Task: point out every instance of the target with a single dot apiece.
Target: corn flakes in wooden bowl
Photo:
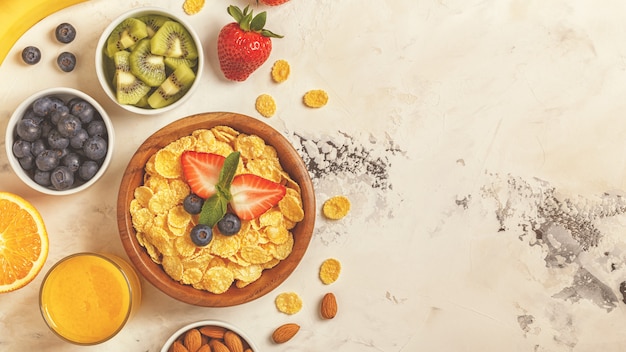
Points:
(216, 209)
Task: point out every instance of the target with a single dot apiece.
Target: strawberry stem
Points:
(247, 22)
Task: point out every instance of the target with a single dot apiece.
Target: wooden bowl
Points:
(154, 273)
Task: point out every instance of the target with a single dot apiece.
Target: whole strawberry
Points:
(272, 2)
(244, 45)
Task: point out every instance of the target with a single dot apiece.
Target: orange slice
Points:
(23, 242)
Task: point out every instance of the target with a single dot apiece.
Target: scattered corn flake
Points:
(336, 207)
(280, 71)
(288, 303)
(330, 270)
(315, 98)
(192, 7)
(265, 105)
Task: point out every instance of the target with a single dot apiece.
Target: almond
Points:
(285, 332)
(233, 341)
(192, 340)
(215, 332)
(328, 308)
(178, 347)
(217, 346)
(204, 348)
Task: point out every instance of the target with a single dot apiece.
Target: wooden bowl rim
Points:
(133, 177)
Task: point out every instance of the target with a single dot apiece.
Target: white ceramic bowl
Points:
(65, 94)
(180, 332)
(105, 80)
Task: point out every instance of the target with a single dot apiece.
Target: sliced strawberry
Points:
(201, 171)
(254, 195)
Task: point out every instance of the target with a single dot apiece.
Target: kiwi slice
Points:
(128, 88)
(146, 66)
(173, 40)
(153, 23)
(172, 62)
(125, 35)
(174, 87)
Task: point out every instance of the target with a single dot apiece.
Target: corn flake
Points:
(192, 7)
(167, 164)
(217, 279)
(288, 303)
(255, 254)
(315, 98)
(265, 105)
(291, 207)
(330, 270)
(280, 71)
(336, 207)
(173, 267)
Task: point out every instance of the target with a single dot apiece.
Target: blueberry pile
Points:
(60, 144)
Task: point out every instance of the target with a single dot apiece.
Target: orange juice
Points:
(87, 298)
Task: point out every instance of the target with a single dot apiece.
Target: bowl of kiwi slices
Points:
(149, 60)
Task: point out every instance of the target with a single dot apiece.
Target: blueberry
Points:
(88, 170)
(27, 162)
(72, 161)
(201, 235)
(42, 106)
(95, 148)
(37, 147)
(193, 204)
(47, 160)
(46, 127)
(58, 114)
(66, 61)
(97, 128)
(65, 33)
(31, 55)
(62, 178)
(57, 104)
(28, 129)
(57, 141)
(69, 125)
(229, 224)
(79, 139)
(22, 148)
(42, 177)
(81, 108)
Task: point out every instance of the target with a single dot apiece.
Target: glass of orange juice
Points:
(87, 298)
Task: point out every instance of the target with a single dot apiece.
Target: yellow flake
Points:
(315, 98)
(280, 71)
(265, 105)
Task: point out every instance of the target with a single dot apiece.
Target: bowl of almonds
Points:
(209, 335)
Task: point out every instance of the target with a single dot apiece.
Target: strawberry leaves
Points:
(247, 22)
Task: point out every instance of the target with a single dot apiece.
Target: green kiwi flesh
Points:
(174, 87)
(146, 66)
(173, 40)
(153, 23)
(125, 35)
(129, 89)
(172, 63)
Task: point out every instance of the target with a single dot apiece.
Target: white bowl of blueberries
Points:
(59, 141)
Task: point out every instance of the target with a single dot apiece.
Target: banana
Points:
(16, 17)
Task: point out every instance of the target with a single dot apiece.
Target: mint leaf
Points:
(213, 210)
(215, 207)
(228, 170)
